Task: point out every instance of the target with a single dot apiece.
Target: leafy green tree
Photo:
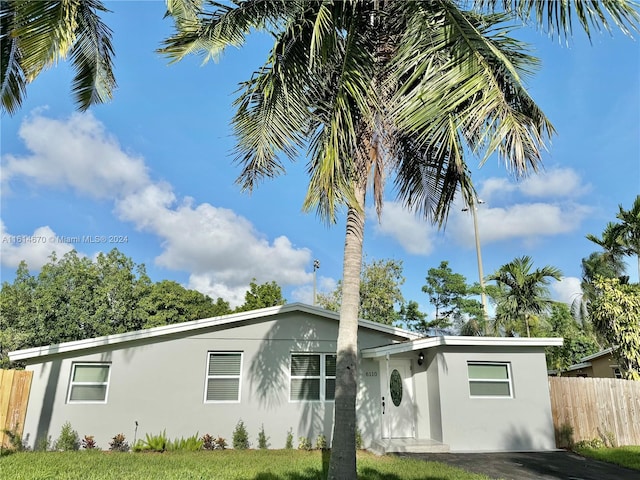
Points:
(522, 296)
(16, 313)
(374, 88)
(615, 313)
(37, 34)
(268, 294)
(380, 294)
(169, 302)
(578, 342)
(449, 294)
(412, 318)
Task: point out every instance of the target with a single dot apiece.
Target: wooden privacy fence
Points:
(14, 395)
(605, 408)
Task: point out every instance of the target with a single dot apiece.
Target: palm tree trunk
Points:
(342, 465)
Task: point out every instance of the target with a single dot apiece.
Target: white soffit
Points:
(460, 341)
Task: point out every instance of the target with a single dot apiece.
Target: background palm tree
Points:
(35, 35)
(629, 230)
(523, 294)
(374, 88)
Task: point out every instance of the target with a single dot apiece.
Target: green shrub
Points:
(359, 445)
(68, 440)
(15, 441)
(88, 443)
(189, 444)
(118, 444)
(304, 443)
(594, 443)
(289, 444)
(153, 443)
(240, 437)
(44, 443)
(564, 436)
(263, 440)
(321, 442)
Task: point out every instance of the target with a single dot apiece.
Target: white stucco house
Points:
(276, 367)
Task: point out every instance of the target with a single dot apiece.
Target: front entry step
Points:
(408, 445)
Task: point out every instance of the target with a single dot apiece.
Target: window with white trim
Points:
(489, 379)
(223, 377)
(89, 383)
(313, 377)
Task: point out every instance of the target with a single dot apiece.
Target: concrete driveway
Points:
(531, 465)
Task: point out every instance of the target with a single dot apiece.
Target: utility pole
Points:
(316, 266)
(483, 296)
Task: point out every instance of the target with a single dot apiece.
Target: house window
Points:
(223, 377)
(89, 383)
(489, 379)
(617, 373)
(313, 376)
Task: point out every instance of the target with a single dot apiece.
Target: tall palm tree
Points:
(597, 264)
(373, 88)
(629, 230)
(524, 294)
(35, 35)
(611, 242)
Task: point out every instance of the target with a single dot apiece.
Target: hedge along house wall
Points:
(14, 397)
(605, 408)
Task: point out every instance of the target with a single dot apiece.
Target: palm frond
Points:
(92, 56)
(13, 81)
(38, 34)
(467, 67)
(556, 17)
(272, 113)
(343, 113)
(210, 32)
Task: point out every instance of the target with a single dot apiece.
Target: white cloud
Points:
(566, 290)
(35, 249)
(552, 184)
(558, 182)
(76, 153)
(221, 250)
(412, 233)
(524, 221)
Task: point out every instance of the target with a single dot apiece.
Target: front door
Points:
(397, 399)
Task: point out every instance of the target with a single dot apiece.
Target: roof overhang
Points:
(195, 326)
(459, 341)
(579, 366)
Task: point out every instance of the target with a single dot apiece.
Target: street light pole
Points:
(316, 266)
(483, 296)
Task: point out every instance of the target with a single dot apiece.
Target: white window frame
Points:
(508, 380)
(75, 384)
(323, 377)
(208, 377)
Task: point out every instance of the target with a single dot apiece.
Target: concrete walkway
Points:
(559, 465)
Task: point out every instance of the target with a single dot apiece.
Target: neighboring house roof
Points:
(585, 362)
(196, 325)
(599, 354)
(425, 343)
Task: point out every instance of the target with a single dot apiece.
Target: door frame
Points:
(385, 405)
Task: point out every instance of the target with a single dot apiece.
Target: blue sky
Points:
(150, 173)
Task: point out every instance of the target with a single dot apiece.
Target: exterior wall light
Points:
(420, 358)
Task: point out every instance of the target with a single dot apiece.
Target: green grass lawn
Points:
(626, 456)
(218, 465)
